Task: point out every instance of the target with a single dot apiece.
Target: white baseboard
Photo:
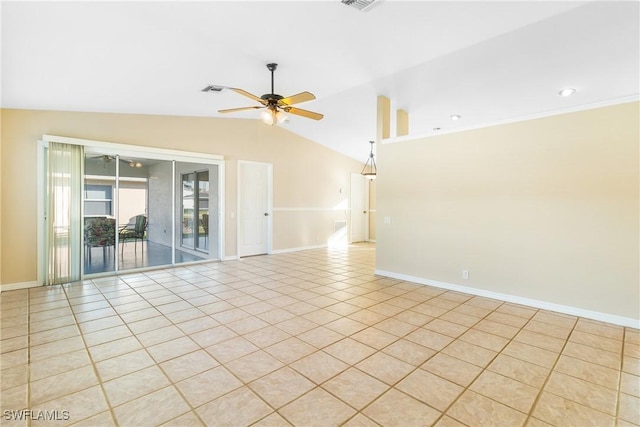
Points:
(298, 249)
(565, 309)
(15, 286)
(231, 258)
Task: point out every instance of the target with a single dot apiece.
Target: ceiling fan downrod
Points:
(272, 67)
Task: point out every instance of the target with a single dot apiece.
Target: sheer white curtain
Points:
(64, 212)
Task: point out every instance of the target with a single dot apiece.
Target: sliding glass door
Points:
(136, 207)
(195, 211)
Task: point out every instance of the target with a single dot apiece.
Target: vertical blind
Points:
(64, 212)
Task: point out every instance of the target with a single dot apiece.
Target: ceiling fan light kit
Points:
(272, 116)
(276, 105)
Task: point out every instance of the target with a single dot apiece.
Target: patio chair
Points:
(135, 231)
(99, 233)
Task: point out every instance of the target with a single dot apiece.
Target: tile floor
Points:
(131, 256)
(310, 338)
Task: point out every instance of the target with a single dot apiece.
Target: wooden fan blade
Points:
(297, 98)
(231, 110)
(304, 113)
(249, 95)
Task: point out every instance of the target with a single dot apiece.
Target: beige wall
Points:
(1, 192)
(293, 157)
(545, 209)
(1, 197)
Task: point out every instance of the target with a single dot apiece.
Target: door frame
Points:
(269, 235)
(365, 203)
(180, 201)
(112, 148)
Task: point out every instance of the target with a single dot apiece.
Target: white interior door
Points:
(254, 210)
(359, 208)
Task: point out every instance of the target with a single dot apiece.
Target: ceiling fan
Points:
(276, 105)
(105, 158)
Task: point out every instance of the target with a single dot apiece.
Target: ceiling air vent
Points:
(362, 5)
(213, 88)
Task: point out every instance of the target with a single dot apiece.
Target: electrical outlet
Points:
(387, 220)
(465, 274)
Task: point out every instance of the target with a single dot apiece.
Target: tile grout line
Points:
(158, 364)
(621, 371)
(93, 365)
(467, 387)
(322, 290)
(381, 350)
(393, 386)
(553, 369)
(119, 315)
(485, 369)
(288, 365)
(244, 384)
(319, 386)
(29, 354)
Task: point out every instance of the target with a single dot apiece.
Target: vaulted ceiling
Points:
(489, 62)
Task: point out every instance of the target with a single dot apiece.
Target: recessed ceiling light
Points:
(567, 92)
(455, 117)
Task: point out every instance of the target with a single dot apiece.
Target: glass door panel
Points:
(197, 216)
(202, 206)
(134, 247)
(99, 221)
(188, 208)
(145, 201)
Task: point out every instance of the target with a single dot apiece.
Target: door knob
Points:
(266, 214)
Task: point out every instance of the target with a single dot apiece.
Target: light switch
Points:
(387, 220)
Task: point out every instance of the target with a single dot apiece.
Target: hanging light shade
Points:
(273, 116)
(370, 169)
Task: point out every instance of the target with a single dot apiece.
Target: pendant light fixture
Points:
(272, 116)
(370, 169)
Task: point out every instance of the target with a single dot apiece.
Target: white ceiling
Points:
(489, 62)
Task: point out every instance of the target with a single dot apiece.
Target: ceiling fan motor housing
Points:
(271, 97)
